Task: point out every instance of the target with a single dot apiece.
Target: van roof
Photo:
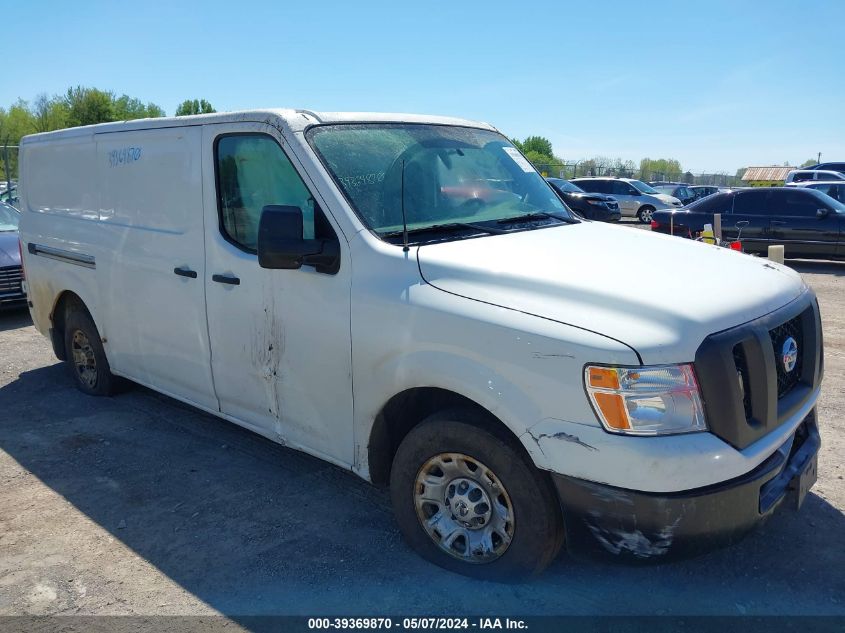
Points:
(290, 120)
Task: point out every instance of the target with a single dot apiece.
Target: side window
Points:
(754, 203)
(619, 188)
(800, 205)
(802, 176)
(253, 172)
(594, 186)
(717, 203)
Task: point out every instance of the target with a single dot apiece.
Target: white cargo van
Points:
(405, 296)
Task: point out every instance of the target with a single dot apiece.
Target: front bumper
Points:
(643, 525)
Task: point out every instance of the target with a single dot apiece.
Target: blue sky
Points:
(717, 85)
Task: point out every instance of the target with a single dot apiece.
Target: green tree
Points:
(538, 144)
(87, 106)
(809, 162)
(660, 169)
(194, 106)
(127, 108)
(49, 113)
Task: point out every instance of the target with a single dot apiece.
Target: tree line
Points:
(78, 106)
(82, 106)
(539, 151)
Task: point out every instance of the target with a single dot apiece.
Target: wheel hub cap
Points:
(468, 502)
(84, 360)
(464, 508)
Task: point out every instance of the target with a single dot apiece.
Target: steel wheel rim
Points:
(464, 508)
(84, 360)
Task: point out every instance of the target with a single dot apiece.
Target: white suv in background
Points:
(636, 199)
(804, 175)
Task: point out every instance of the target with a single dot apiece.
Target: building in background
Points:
(766, 176)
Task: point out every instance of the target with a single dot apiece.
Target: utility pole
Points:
(820, 159)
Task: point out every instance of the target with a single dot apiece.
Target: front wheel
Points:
(645, 214)
(468, 500)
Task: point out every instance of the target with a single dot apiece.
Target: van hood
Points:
(658, 294)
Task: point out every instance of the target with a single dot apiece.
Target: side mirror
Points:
(822, 213)
(281, 245)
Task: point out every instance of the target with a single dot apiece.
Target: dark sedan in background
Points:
(11, 274)
(808, 223)
(593, 206)
(681, 192)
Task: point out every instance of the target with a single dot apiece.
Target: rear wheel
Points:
(645, 214)
(468, 500)
(86, 358)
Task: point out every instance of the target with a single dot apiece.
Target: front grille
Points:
(10, 280)
(746, 389)
(779, 335)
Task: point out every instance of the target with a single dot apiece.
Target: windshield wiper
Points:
(448, 227)
(539, 215)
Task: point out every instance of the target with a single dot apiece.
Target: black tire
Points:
(537, 528)
(644, 214)
(81, 335)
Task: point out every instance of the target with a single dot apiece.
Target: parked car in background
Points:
(10, 196)
(11, 274)
(635, 198)
(702, 191)
(593, 206)
(834, 188)
(807, 222)
(803, 175)
(681, 192)
(840, 167)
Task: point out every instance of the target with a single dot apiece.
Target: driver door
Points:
(280, 339)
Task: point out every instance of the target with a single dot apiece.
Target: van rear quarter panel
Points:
(133, 200)
(58, 204)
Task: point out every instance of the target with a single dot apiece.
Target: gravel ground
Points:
(138, 504)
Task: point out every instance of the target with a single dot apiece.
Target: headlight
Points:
(646, 400)
(598, 203)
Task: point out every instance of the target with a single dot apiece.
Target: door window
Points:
(619, 188)
(594, 186)
(253, 172)
(801, 204)
(755, 203)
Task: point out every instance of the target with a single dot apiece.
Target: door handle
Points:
(185, 272)
(226, 279)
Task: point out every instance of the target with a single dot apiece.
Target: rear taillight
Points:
(20, 252)
(655, 224)
(736, 246)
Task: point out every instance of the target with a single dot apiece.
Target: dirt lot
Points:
(140, 505)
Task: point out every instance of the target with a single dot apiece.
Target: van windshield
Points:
(449, 175)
